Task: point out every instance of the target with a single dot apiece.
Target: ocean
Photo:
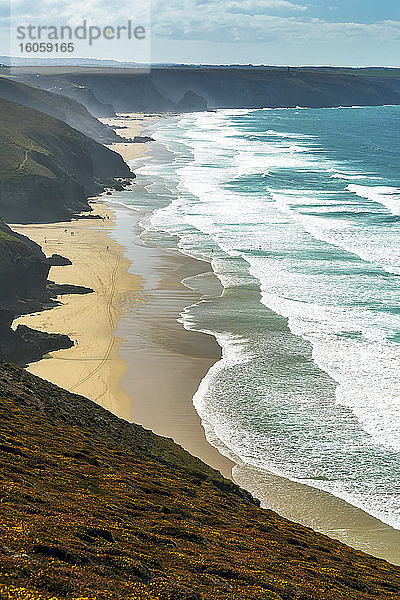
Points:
(298, 211)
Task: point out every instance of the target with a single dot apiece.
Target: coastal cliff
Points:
(94, 507)
(195, 88)
(60, 107)
(23, 288)
(48, 169)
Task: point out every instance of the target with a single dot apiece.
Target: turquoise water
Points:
(299, 212)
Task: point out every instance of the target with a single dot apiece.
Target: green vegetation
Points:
(21, 152)
(16, 153)
(47, 168)
(55, 105)
(11, 245)
(5, 236)
(93, 508)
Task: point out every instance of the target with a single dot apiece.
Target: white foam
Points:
(349, 361)
(354, 177)
(385, 195)
(374, 245)
(350, 342)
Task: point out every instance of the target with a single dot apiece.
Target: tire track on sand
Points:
(111, 321)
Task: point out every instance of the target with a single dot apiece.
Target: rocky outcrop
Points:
(55, 260)
(191, 102)
(142, 139)
(24, 288)
(23, 272)
(32, 198)
(26, 345)
(61, 289)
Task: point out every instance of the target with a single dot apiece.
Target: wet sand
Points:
(165, 366)
(322, 512)
(134, 358)
(166, 362)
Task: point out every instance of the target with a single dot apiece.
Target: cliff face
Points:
(23, 278)
(48, 169)
(191, 89)
(191, 102)
(23, 271)
(60, 107)
(94, 507)
(87, 98)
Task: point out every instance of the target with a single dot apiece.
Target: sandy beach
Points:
(165, 366)
(92, 367)
(129, 126)
(135, 359)
(166, 362)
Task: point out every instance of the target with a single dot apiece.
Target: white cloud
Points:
(258, 7)
(218, 22)
(246, 21)
(72, 12)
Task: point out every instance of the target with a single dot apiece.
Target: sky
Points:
(273, 32)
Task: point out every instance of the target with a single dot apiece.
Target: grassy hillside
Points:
(65, 109)
(47, 168)
(94, 508)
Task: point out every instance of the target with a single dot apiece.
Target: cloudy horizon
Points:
(273, 32)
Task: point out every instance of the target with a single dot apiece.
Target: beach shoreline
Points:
(92, 367)
(124, 362)
(156, 365)
(166, 364)
(129, 126)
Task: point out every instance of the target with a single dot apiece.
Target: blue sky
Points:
(362, 11)
(296, 32)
